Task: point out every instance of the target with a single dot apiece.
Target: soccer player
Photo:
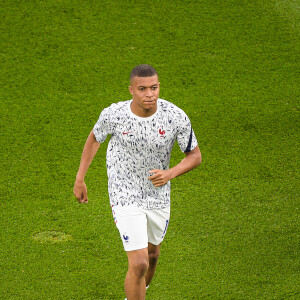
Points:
(143, 132)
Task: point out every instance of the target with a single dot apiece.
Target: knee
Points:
(139, 267)
(153, 257)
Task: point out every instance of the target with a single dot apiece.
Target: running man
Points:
(143, 132)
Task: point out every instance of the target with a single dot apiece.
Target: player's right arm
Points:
(89, 151)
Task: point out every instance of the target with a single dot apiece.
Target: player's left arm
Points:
(192, 160)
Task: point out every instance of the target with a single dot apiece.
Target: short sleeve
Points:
(103, 126)
(186, 137)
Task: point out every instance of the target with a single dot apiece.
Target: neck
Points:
(142, 112)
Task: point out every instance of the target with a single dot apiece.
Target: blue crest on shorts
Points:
(125, 237)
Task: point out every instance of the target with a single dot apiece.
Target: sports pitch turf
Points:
(233, 66)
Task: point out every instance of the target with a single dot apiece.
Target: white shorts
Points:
(138, 226)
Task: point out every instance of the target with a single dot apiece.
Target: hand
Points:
(80, 191)
(160, 177)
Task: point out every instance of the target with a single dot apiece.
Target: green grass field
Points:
(233, 66)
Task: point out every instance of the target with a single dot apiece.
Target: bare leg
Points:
(153, 254)
(135, 283)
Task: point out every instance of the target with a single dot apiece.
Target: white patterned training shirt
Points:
(138, 145)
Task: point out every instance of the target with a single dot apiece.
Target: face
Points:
(145, 92)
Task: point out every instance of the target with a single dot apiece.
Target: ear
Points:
(130, 90)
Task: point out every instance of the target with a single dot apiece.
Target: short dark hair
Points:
(142, 71)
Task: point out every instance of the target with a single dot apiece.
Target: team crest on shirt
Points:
(162, 133)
